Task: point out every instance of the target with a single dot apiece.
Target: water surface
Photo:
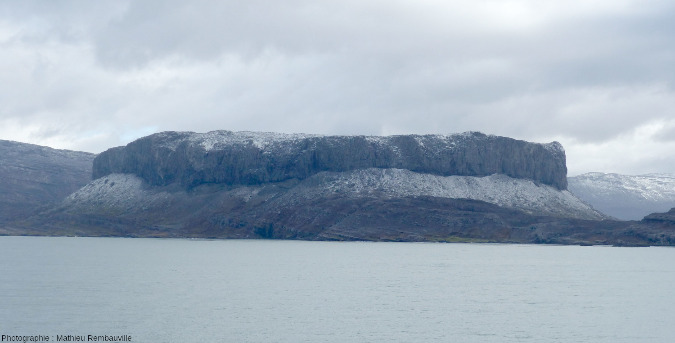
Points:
(171, 290)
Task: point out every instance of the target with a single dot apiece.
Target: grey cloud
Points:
(207, 29)
(666, 134)
(334, 67)
(67, 21)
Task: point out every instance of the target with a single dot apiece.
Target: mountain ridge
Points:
(161, 187)
(228, 157)
(34, 176)
(626, 197)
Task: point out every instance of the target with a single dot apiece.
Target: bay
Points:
(173, 290)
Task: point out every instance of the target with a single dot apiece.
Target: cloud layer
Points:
(595, 75)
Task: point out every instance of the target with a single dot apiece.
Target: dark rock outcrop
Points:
(245, 158)
(664, 219)
(33, 176)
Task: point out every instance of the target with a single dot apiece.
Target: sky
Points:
(596, 76)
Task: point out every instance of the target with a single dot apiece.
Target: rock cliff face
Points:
(33, 176)
(247, 158)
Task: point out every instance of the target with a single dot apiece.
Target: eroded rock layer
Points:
(248, 158)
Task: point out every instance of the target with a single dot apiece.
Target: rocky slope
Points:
(626, 197)
(33, 177)
(125, 205)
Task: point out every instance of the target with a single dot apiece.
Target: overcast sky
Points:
(597, 76)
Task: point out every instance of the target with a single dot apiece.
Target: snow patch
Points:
(627, 197)
(115, 191)
(129, 192)
(221, 139)
(654, 187)
(261, 140)
(497, 189)
(554, 147)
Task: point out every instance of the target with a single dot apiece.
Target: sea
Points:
(181, 290)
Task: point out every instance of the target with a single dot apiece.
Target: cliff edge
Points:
(249, 158)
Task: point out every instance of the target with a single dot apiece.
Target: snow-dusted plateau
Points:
(222, 184)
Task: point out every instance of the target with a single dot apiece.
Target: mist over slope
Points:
(626, 197)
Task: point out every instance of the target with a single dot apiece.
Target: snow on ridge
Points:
(623, 176)
(554, 147)
(220, 139)
(497, 189)
(264, 140)
(655, 187)
(261, 140)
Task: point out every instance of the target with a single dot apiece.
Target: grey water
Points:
(171, 290)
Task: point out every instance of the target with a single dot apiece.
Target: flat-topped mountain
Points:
(499, 170)
(221, 184)
(33, 176)
(248, 158)
(465, 187)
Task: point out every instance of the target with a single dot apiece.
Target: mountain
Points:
(222, 184)
(34, 177)
(248, 158)
(626, 197)
(499, 170)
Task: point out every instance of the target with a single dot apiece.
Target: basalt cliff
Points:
(467, 187)
(250, 158)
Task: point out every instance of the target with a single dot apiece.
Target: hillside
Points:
(626, 197)
(33, 177)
